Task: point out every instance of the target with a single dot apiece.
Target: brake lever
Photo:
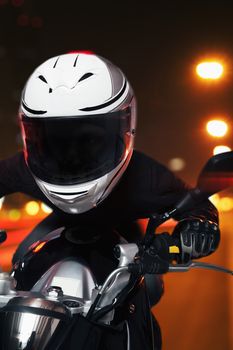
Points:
(197, 264)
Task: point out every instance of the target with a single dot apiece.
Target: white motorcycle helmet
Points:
(78, 116)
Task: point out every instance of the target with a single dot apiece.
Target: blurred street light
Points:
(225, 204)
(45, 208)
(217, 128)
(209, 70)
(32, 208)
(14, 214)
(176, 164)
(221, 149)
(1, 202)
(215, 199)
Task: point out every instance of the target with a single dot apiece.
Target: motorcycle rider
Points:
(78, 121)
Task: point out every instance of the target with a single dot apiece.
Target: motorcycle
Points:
(56, 297)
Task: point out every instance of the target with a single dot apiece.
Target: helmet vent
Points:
(75, 61)
(70, 193)
(85, 76)
(54, 66)
(41, 77)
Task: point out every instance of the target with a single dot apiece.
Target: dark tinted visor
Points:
(72, 150)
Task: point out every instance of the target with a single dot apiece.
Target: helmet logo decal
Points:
(94, 108)
(32, 110)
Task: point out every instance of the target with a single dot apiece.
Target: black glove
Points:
(156, 258)
(197, 238)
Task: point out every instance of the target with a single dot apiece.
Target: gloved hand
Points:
(197, 238)
(156, 258)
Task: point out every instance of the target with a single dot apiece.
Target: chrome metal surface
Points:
(23, 329)
(41, 303)
(71, 275)
(28, 331)
(54, 292)
(115, 282)
(128, 335)
(75, 306)
(111, 277)
(7, 283)
(127, 253)
(4, 299)
(119, 278)
(200, 265)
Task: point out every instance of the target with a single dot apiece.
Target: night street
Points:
(109, 113)
(205, 297)
(200, 300)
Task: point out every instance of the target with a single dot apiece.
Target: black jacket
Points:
(146, 187)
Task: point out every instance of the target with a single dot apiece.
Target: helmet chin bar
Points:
(77, 199)
(74, 203)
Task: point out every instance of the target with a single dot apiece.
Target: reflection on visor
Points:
(71, 150)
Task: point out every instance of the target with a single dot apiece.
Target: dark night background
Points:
(156, 44)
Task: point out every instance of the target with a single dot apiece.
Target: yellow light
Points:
(209, 70)
(225, 204)
(221, 149)
(215, 199)
(32, 208)
(45, 208)
(176, 164)
(39, 247)
(1, 202)
(217, 128)
(14, 214)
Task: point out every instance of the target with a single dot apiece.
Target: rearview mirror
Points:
(217, 174)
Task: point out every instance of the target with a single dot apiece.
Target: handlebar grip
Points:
(151, 265)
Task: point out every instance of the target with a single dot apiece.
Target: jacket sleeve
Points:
(15, 177)
(173, 189)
